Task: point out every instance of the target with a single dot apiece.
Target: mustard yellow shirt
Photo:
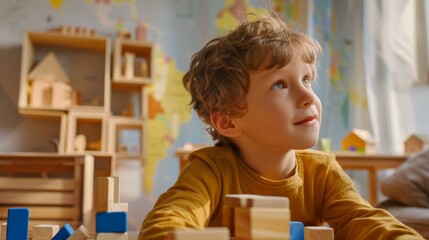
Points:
(319, 192)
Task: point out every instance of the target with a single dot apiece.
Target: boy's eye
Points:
(307, 81)
(279, 85)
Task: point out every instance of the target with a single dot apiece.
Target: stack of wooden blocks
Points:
(256, 217)
(253, 217)
(111, 215)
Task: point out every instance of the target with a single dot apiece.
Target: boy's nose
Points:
(306, 99)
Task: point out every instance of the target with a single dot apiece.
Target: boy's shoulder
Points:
(213, 152)
(315, 155)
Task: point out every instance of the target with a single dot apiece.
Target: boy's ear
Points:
(224, 124)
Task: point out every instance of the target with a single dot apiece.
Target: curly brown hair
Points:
(219, 74)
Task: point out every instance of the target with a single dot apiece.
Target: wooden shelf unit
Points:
(96, 75)
(36, 42)
(135, 84)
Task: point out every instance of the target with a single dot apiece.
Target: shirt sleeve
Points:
(352, 217)
(189, 203)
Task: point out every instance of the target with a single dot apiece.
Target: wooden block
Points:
(261, 223)
(129, 65)
(251, 200)
(3, 231)
(65, 232)
(232, 201)
(211, 233)
(105, 195)
(49, 68)
(228, 218)
(113, 222)
(61, 95)
(17, 223)
(112, 236)
(45, 231)
(318, 233)
(81, 233)
(79, 143)
(296, 230)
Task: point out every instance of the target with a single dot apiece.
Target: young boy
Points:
(253, 88)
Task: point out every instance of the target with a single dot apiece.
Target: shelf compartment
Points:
(73, 53)
(134, 147)
(129, 58)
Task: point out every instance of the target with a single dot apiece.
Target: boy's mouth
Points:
(307, 121)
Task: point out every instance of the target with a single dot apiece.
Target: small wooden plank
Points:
(48, 212)
(211, 233)
(47, 184)
(88, 218)
(35, 168)
(3, 231)
(112, 236)
(36, 198)
(251, 200)
(318, 233)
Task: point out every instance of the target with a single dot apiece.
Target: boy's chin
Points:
(308, 143)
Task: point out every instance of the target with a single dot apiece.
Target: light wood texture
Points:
(232, 201)
(99, 122)
(138, 81)
(318, 233)
(59, 101)
(3, 231)
(56, 188)
(33, 40)
(45, 231)
(211, 233)
(116, 125)
(106, 195)
(81, 233)
(112, 236)
(50, 69)
(129, 65)
(140, 49)
(261, 223)
(252, 200)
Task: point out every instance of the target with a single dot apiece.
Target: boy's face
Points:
(283, 111)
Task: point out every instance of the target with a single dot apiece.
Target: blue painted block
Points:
(17, 223)
(111, 222)
(65, 232)
(296, 230)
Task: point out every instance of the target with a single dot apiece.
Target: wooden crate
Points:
(57, 189)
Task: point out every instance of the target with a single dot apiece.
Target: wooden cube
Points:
(45, 231)
(318, 233)
(261, 223)
(211, 233)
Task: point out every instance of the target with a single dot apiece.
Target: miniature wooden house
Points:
(359, 140)
(50, 86)
(416, 143)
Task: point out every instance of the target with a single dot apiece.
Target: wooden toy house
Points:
(359, 140)
(416, 143)
(50, 86)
